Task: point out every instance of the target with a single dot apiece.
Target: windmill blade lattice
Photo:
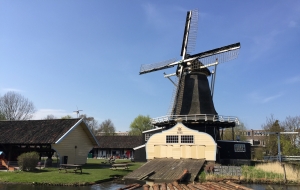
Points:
(223, 54)
(190, 32)
(147, 68)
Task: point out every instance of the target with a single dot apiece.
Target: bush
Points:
(28, 161)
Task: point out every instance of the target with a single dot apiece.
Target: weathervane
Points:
(77, 111)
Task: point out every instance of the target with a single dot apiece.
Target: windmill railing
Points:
(195, 117)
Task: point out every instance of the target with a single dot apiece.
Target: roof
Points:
(155, 129)
(119, 141)
(39, 131)
(166, 169)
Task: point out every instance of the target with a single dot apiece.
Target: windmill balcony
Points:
(195, 117)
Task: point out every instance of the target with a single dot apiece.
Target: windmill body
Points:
(193, 98)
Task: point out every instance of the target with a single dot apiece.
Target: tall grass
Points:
(292, 172)
(263, 173)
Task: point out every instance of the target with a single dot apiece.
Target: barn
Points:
(71, 139)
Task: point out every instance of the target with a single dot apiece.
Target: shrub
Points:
(28, 161)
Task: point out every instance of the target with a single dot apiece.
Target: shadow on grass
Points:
(98, 166)
(35, 171)
(75, 173)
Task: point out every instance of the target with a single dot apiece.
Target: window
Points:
(256, 142)
(239, 148)
(147, 136)
(187, 139)
(172, 139)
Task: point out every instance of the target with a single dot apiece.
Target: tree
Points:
(237, 131)
(91, 122)
(107, 127)
(66, 117)
(14, 106)
(291, 143)
(49, 117)
(140, 123)
(272, 125)
(2, 117)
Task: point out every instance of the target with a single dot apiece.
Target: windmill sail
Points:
(190, 33)
(223, 54)
(147, 68)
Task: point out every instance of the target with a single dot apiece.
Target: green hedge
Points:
(28, 161)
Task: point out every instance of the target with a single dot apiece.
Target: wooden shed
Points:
(71, 139)
(181, 142)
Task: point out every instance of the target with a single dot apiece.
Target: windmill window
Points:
(172, 139)
(239, 148)
(187, 139)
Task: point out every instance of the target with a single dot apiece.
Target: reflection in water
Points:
(102, 186)
(114, 186)
(275, 187)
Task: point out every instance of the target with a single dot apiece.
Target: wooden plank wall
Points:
(203, 146)
(79, 138)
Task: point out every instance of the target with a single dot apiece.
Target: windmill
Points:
(77, 112)
(193, 96)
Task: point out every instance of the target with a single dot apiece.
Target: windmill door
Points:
(193, 151)
(160, 151)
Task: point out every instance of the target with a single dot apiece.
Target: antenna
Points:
(77, 111)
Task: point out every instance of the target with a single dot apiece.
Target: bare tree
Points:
(14, 106)
(107, 128)
(91, 122)
(49, 117)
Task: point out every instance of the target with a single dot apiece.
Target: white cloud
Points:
(42, 113)
(271, 98)
(293, 24)
(292, 80)
(256, 97)
(152, 14)
(11, 89)
(266, 41)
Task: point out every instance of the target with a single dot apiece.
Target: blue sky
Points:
(64, 54)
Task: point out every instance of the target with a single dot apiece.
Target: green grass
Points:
(93, 172)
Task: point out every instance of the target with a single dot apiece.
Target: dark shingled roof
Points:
(34, 131)
(119, 141)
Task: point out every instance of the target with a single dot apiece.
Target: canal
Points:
(114, 186)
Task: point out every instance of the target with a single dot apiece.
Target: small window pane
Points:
(187, 139)
(172, 139)
(239, 148)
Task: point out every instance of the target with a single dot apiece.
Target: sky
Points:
(76, 54)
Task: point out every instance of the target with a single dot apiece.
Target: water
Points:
(275, 187)
(102, 186)
(114, 186)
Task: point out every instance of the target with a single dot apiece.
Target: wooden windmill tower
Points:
(193, 95)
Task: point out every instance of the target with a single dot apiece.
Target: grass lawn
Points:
(93, 172)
